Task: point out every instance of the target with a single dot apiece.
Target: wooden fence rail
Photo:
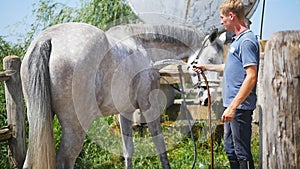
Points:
(14, 133)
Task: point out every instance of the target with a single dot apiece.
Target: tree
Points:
(100, 13)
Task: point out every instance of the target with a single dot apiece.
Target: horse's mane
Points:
(158, 32)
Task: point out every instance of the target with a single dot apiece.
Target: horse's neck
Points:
(158, 42)
(148, 51)
(164, 54)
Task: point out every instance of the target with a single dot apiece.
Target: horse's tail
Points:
(36, 87)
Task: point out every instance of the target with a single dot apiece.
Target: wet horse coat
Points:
(77, 72)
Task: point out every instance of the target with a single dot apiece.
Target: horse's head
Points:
(211, 52)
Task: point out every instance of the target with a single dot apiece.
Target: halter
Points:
(213, 35)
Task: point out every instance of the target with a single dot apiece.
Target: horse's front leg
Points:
(127, 140)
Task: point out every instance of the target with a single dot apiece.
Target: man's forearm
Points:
(213, 67)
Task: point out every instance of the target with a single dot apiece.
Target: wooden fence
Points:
(14, 133)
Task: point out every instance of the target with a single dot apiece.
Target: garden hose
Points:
(162, 63)
(188, 116)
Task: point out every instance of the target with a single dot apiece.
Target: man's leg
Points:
(241, 134)
(229, 146)
(246, 164)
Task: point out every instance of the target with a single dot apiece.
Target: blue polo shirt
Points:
(243, 52)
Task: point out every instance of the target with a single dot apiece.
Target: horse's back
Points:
(70, 40)
(76, 52)
(72, 45)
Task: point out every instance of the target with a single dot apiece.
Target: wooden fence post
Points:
(15, 112)
(281, 110)
(257, 114)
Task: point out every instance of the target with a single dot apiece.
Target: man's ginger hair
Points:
(234, 6)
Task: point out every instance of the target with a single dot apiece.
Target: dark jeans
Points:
(237, 136)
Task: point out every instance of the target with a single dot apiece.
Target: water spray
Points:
(162, 63)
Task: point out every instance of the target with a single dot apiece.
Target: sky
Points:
(279, 15)
(16, 16)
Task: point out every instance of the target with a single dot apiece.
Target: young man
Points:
(239, 85)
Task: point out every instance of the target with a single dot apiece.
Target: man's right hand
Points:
(199, 68)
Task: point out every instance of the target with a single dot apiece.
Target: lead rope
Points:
(213, 33)
(188, 116)
(209, 122)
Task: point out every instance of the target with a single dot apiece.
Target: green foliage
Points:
(7, 49)
(100, 13)
(105, 14)
(4, 163)
(255, 148)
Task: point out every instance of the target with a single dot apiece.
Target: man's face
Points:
(226, 20)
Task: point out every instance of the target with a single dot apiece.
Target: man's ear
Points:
(231, 15)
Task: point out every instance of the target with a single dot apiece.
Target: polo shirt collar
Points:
(236, 37)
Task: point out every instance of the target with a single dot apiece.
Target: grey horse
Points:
(78, 72)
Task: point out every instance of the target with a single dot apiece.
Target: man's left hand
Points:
(228, 115)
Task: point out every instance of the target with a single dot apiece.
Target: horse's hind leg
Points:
(151, 106)
(158, 139)
(127, 140)
(72, 140)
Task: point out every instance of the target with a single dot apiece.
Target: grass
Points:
(103, 148)
(107, 152)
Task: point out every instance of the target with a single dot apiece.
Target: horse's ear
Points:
(213, 35)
